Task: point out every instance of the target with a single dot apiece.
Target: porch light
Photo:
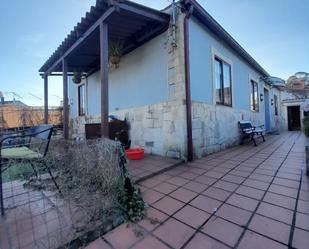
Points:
(261, 97)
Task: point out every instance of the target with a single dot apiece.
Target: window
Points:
(276, 104)
(254, 99)
(81, 100)
(223, 82)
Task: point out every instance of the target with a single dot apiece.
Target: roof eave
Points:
(204, 17)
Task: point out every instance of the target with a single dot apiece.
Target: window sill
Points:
(220, 104)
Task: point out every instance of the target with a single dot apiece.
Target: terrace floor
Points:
(40, 219)
(245, 197)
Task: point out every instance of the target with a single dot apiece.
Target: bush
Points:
(306, 126)
(94, 181)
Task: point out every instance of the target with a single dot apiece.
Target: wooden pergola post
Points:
(104, 78)
(65, 99)
(46, 99)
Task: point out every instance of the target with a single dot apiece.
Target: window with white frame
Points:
(254, 96)
(223, 82)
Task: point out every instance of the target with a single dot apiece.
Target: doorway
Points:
(294, 118)
(267, 112)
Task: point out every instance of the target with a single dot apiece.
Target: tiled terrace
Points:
(150, 165)
(245, 197)
(40, 219)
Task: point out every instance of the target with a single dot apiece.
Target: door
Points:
(267, 112)
(294, 118)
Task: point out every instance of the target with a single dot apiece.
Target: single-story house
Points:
(183, 83)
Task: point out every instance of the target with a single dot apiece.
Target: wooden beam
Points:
(104, 78)
(106, 14)
(46, 99)
(65, 99)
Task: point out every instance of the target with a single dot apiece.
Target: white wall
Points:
(140, 79)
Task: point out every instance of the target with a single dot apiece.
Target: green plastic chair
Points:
(28, 146)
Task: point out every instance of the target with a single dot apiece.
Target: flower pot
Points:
(77, 78)
(115, 60)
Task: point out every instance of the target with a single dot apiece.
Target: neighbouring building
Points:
(295, 101)
(183, 83)
(14, 114)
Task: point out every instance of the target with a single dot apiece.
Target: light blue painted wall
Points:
(202, 42)
(140, 79)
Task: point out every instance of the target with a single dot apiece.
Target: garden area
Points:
(88, 193)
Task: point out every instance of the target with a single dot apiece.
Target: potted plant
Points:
(115, 52)
(77, 77)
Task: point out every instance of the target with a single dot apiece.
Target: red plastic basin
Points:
(135, 154)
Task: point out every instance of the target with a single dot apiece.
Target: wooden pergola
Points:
(85, 49)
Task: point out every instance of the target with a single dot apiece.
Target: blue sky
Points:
(274, 32)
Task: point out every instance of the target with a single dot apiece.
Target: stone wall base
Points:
(215, 127)
(160, 129)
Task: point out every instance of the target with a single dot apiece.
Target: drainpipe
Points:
(187, 83)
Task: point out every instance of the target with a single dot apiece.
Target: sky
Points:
(274, 32)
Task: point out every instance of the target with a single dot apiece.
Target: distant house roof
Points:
(13, 103)
(204, 17)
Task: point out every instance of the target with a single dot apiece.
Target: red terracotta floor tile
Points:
(250, 192)
(291, 192)
(178, 181)
(303, 206)
(302, 221)
(304, 195)
(233, 179)
(192, 216)
(256, 184)
(152, 219)
(234, 214)
(174, 233)
(187, 175)
(98, 244)
(165, 188)
(286, 183)
(280, 200)
(150, 242)
(243, 202)
(255, 241)
(122, 237)
(261, 177)
(300, 239)
(205, 180)
(150, 183)
(183, 195)
(195, 186)
(222, 230)
(273, 229)
(214, 174)
(228, 186)
(275, 212)
(205, 203)
(201, 241)
(168, 205)
(216, 193)
(151, 196)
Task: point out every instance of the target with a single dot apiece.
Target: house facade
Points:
(182, 92)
